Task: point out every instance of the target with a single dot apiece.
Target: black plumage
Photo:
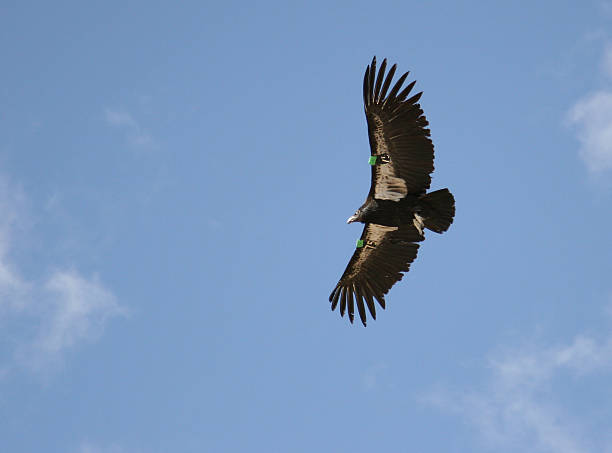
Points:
(398, 207)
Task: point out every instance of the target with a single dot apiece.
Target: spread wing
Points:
(383, 254)
(398, 134)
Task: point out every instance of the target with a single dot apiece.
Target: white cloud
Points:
(54, 314)
(526, 404)
(134, 133)
(76, 310)
(592, 117)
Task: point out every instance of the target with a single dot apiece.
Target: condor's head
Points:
(361, 214)
(355, 217)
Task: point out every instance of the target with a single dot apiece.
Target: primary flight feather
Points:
(398, 207)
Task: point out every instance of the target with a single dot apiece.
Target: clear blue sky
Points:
(174, 183)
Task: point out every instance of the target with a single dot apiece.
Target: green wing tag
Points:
(372, 160)
(359, 243)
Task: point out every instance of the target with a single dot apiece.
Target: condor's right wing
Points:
(402, 154)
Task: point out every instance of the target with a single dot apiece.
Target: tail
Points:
(438, 210)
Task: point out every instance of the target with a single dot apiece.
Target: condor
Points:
(398, 207)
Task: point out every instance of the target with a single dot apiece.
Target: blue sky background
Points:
(174, 184)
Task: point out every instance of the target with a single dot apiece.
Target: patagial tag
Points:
(359, 243)
(372, 160)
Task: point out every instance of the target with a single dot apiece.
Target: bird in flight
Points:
(398, 208)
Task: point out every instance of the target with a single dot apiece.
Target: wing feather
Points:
(378, 293)
(388, 80)
(367, 291)
(379, 79)
(406, 91)
(361, 309)
(397, 86)
(371, 78)
(351, 305)
(374, 268)
(334, 297)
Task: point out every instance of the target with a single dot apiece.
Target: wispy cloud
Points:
(592, 118)
(53, 314)
(135, 134)
(75, 310)
(12, 286)
(525, 403)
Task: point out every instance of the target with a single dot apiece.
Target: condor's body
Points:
(391, 213)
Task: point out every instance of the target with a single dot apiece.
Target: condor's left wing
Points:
(383, 254)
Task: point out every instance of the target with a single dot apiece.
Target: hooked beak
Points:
(351, 219)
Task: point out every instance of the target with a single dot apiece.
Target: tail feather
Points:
(438, 210)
